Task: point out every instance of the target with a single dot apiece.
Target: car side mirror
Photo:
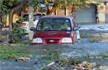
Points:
(32, 29)
(75, 28)
(78, 25)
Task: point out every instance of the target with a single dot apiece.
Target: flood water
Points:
(77, 51)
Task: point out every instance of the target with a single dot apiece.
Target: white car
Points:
(78, 35)
(36, 17)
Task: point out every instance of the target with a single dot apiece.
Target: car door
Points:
(78, 33)
(75, 32)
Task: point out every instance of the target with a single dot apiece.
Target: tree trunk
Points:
(74, 11)
(0, 35)
(0, 29)
(37, 9)
(12, 12)
(49, 12)
(10, 19)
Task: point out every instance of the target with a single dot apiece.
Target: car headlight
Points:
(66, 40)
(37, 40)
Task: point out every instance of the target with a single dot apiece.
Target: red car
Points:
(55, 30)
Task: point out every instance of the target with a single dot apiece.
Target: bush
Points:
(18, 32)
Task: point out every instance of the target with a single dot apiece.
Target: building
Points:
(88, 15)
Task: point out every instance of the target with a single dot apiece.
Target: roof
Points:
(57, 16)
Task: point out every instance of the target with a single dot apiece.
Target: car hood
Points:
(53, 34)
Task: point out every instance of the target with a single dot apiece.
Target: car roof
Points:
(57, 16)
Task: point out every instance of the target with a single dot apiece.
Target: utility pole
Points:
(31, 33)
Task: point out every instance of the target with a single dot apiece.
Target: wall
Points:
(101, 11)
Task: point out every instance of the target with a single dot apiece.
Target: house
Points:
(88, 15)
(15, 15)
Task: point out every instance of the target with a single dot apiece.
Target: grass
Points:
(20, 44)
(96, 67)
(105, 55)
(91, 41)
(8, 53)
(52, 56)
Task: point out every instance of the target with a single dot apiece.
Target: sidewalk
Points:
(101, 23)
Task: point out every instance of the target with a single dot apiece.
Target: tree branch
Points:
(53, 9)
(12, 11)
(47, 6)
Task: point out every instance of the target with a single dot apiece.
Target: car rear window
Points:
(54, 25)
(26, 18)
(35, 17)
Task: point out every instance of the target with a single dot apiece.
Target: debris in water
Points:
(22, 59)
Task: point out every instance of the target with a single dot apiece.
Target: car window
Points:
(26, 18)
(54, 25)
(35, 17)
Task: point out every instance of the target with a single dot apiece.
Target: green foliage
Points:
(91, 41)
(86, 34)
(20, 19)
(63, 3)
(8, 54)
(3, 8)
(21, 44)
(105, 55)
(56, 55)
(62, 60)
(53, 56)
(88, 57)
(6, 5)
(18, 31)
(78, 62)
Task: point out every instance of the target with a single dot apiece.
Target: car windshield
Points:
(54, 25)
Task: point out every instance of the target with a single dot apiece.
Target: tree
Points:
(5, 7)
(3, 10)
(60, 4)
(12, 11)
(10, 6)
